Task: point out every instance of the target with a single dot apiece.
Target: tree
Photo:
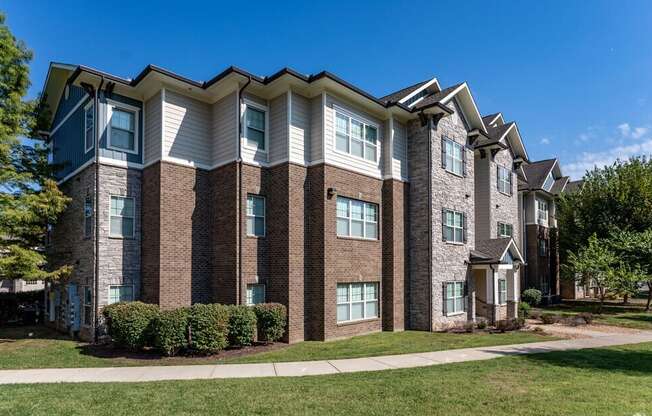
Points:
(29, 196)
(635, 249)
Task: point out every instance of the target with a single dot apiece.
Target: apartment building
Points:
(358, 213)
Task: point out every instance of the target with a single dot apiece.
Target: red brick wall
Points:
(395, 196)
(151, 226)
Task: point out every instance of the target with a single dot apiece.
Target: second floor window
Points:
(505, 230)
(453, 226)
(89, 123)
(356, 137)
(255, 128)
(88, 216)
(122, 130)
(452, 157)
(504, 180)
(255, 216)
(122, 217)
(542, 212)
(357, 219)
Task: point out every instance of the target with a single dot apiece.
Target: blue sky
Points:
(576, 76)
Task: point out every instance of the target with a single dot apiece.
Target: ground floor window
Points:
(255, 294)
(453, 298)
(543, 247)
(356, 301)
(123, 293)
(88, 309)
(502, 291)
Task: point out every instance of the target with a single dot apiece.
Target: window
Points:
(542, 212)
(454, 298)
(355, 137)
(543, 247)
(504, 180)
(255, 216)
(122, 129)
(88, 309)
(88, 216)
(504, 230)
(32, 282)
(122, 217)
(416, 97)
(357, 219)
(547, 185)
(502, 291)
(255, 128)
(356, 301)
(121, 294)
(454, 226)
(255, 294)
(453, 157)
(89, 131)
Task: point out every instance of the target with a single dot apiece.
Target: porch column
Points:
(512, 293)
(492, 294)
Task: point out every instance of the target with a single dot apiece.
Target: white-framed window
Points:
(357, 219)
(452, 156)
(121, 293)
(32, 282)
(255, 215)
(89, 126)
(255, 126)
(122, 217)
(255, 294)
(357, 301)
(87, 312)
(453, 226)
(88, 216)
(505, 230)
(547, 185)
(502, 291)
(122, 127)
(504, 178)
(356, 137)
(453, 298)
(542, 212)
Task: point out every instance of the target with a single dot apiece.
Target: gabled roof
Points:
(462, 94)
(574, 186)
(537, 172)
(559, 185)
(493, 251)
(405, 92)
(492, 118)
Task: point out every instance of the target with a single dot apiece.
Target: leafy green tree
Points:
(635, 249)
(29, 196)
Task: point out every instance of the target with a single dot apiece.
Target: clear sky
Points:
(575, 75)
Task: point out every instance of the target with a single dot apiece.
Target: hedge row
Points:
(204, 329)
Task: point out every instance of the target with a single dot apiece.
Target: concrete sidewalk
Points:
(308, 368)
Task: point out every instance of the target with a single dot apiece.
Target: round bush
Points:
(271, 318)
(550, 318)
(532, 297)
(242, 325)
(171, 331)
(524, 309)
(130, 323)
(209, 326)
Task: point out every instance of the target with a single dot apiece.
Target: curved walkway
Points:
(593, 339)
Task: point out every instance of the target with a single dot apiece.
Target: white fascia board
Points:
(421, 88)
(465, 88)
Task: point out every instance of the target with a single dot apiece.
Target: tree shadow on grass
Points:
(12, 334)
(631, 360)
(642, 317)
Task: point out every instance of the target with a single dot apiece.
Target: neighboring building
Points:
(19, 285)
(358, 213)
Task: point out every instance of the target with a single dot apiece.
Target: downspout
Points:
(239, 206)
(430, 138)
(96, 276)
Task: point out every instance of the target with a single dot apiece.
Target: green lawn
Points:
(47, 349)
(625, 316)
(612, 381)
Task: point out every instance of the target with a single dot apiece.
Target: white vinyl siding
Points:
(317, 120)
(122, 217)
(357, 301)
(223, 131)
(255, 294)
(504, 179)
(187, 123)
(255, 216)
(278, 129)
(123, 293)
(300, 129)
(453, 298)
(153, 138)
(399, 163)
(357, 219)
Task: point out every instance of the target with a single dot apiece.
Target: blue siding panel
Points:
(65, 105)
(68, 144)
(115, 154)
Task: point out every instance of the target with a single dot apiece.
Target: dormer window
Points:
(416, 97)
(547, 185)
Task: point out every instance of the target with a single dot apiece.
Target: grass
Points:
(48, 349)
(625, 316)
(610, 381)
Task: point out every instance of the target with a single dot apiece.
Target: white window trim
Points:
(365, 122)
(461, 161)
(243, 122)
(364, 219)
(247, 293)
(110, 105)
(504, 224)
(364, 302)
(463, 311)
(552, 182)
(133, 229)
(547, 211)
(264, 217)
(506, 182)
(92, 146)
(108, 292)
(499, 291)
(453, 241)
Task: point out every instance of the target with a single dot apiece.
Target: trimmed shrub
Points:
(171, 331)
(208, 328)
(586, 316)
(512, 324)
(532, 297)
(524, 309)
(242, 325)
(271, 320)
(130, 323)
(549, 318)
(482, 324)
